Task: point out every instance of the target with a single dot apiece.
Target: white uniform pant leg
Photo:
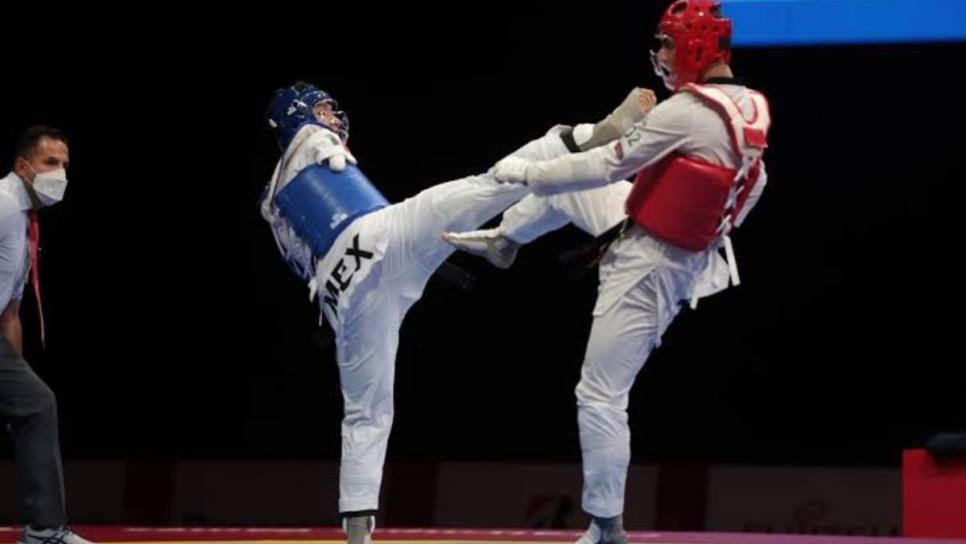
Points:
(463, 204)
(596, 210)
(593, 211)
(366, 347)
(420, 221)
(530, 219)
(620, 341)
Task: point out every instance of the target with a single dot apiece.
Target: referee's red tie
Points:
(34, 236)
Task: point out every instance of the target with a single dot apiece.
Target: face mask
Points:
(50, 186)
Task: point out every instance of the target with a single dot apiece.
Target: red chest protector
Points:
(690, 203)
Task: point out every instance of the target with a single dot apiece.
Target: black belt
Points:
(456, 276)
(589, 254)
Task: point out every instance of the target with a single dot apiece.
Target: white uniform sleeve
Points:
(549, 146)
(11, 286)
(317, 145)
(754, 196)
(666, 128)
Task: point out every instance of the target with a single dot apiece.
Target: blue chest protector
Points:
(319, 203)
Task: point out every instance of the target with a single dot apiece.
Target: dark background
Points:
(175, 330)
